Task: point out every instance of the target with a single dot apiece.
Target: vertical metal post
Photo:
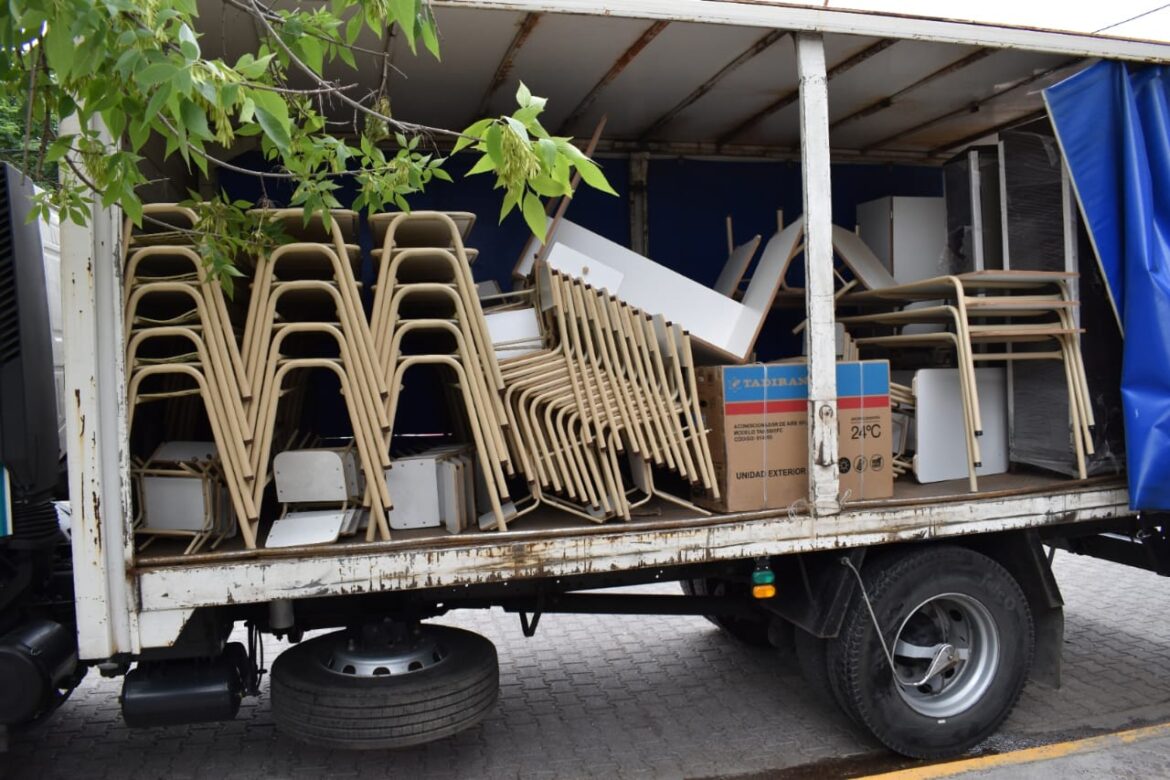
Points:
(818, 268)
(639, 206)
(99, 486)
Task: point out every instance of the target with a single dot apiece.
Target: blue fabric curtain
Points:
(1114, 128)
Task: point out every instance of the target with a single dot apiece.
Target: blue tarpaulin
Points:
(1113, 124)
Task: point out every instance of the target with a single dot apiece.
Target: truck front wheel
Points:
(384, 686)
(960, 634)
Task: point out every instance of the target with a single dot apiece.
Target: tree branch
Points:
(410, 127)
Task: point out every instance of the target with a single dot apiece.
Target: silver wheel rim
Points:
(946, 655)
(355, 657)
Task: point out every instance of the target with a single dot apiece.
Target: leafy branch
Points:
(136, 69)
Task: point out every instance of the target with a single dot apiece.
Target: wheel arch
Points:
(818, 589)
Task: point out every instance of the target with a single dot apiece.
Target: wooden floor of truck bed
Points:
(547, 522)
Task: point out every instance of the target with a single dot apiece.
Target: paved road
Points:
(619, 697)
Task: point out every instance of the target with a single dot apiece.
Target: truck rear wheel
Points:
(961, 636)
(749, 630)
(373, 689)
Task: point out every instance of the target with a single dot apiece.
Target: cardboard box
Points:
(757, 416)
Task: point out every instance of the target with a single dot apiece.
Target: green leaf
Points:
(157, 100)
(353, 28)
(493, 139)
(158, 73)
(404, 13)
(546, 186)
(139, 134)
(253, 67)
(272, 114)
(548, 152)
(484, 165)
(133, 208)
(441, 174)
(523, 95)
(506, 207)
(430, 36)
(195, 121)
(59, 50)
(593, 176)
(115, 122)
(472, 134)
(534, 215)
(312, 52)
(187, 43)
(526, 115)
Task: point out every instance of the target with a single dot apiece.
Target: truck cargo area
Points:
(840, 331)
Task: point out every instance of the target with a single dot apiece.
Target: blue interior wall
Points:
(688, 201)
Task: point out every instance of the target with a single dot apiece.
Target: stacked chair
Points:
(611, 385)
(425, 289)
(181, 347)
(562, 388)
(985, 314)
(312, 277)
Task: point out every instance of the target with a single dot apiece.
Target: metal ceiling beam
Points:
(756, 48)
(970, 108)
(504, 69)
(791, 97)
(1001, 126)
(620, 64)
(888, 100)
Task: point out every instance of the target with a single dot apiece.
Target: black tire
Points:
(316, 705)
(897, 585)
(750, 631)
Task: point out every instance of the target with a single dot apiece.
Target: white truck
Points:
(923, 614)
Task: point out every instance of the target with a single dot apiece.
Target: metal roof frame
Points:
(800, 18)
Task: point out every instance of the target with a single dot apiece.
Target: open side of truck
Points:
(922, 614)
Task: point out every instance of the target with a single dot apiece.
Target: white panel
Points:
(174, 504)
(317, 526)
(512, 326)
(860, 259)
(873, 220)
(941, 450)
(414, 489)
(761, 290)
(919, 238)
(451, 501)
(735, 267)
(307, 476)
(647, 285)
